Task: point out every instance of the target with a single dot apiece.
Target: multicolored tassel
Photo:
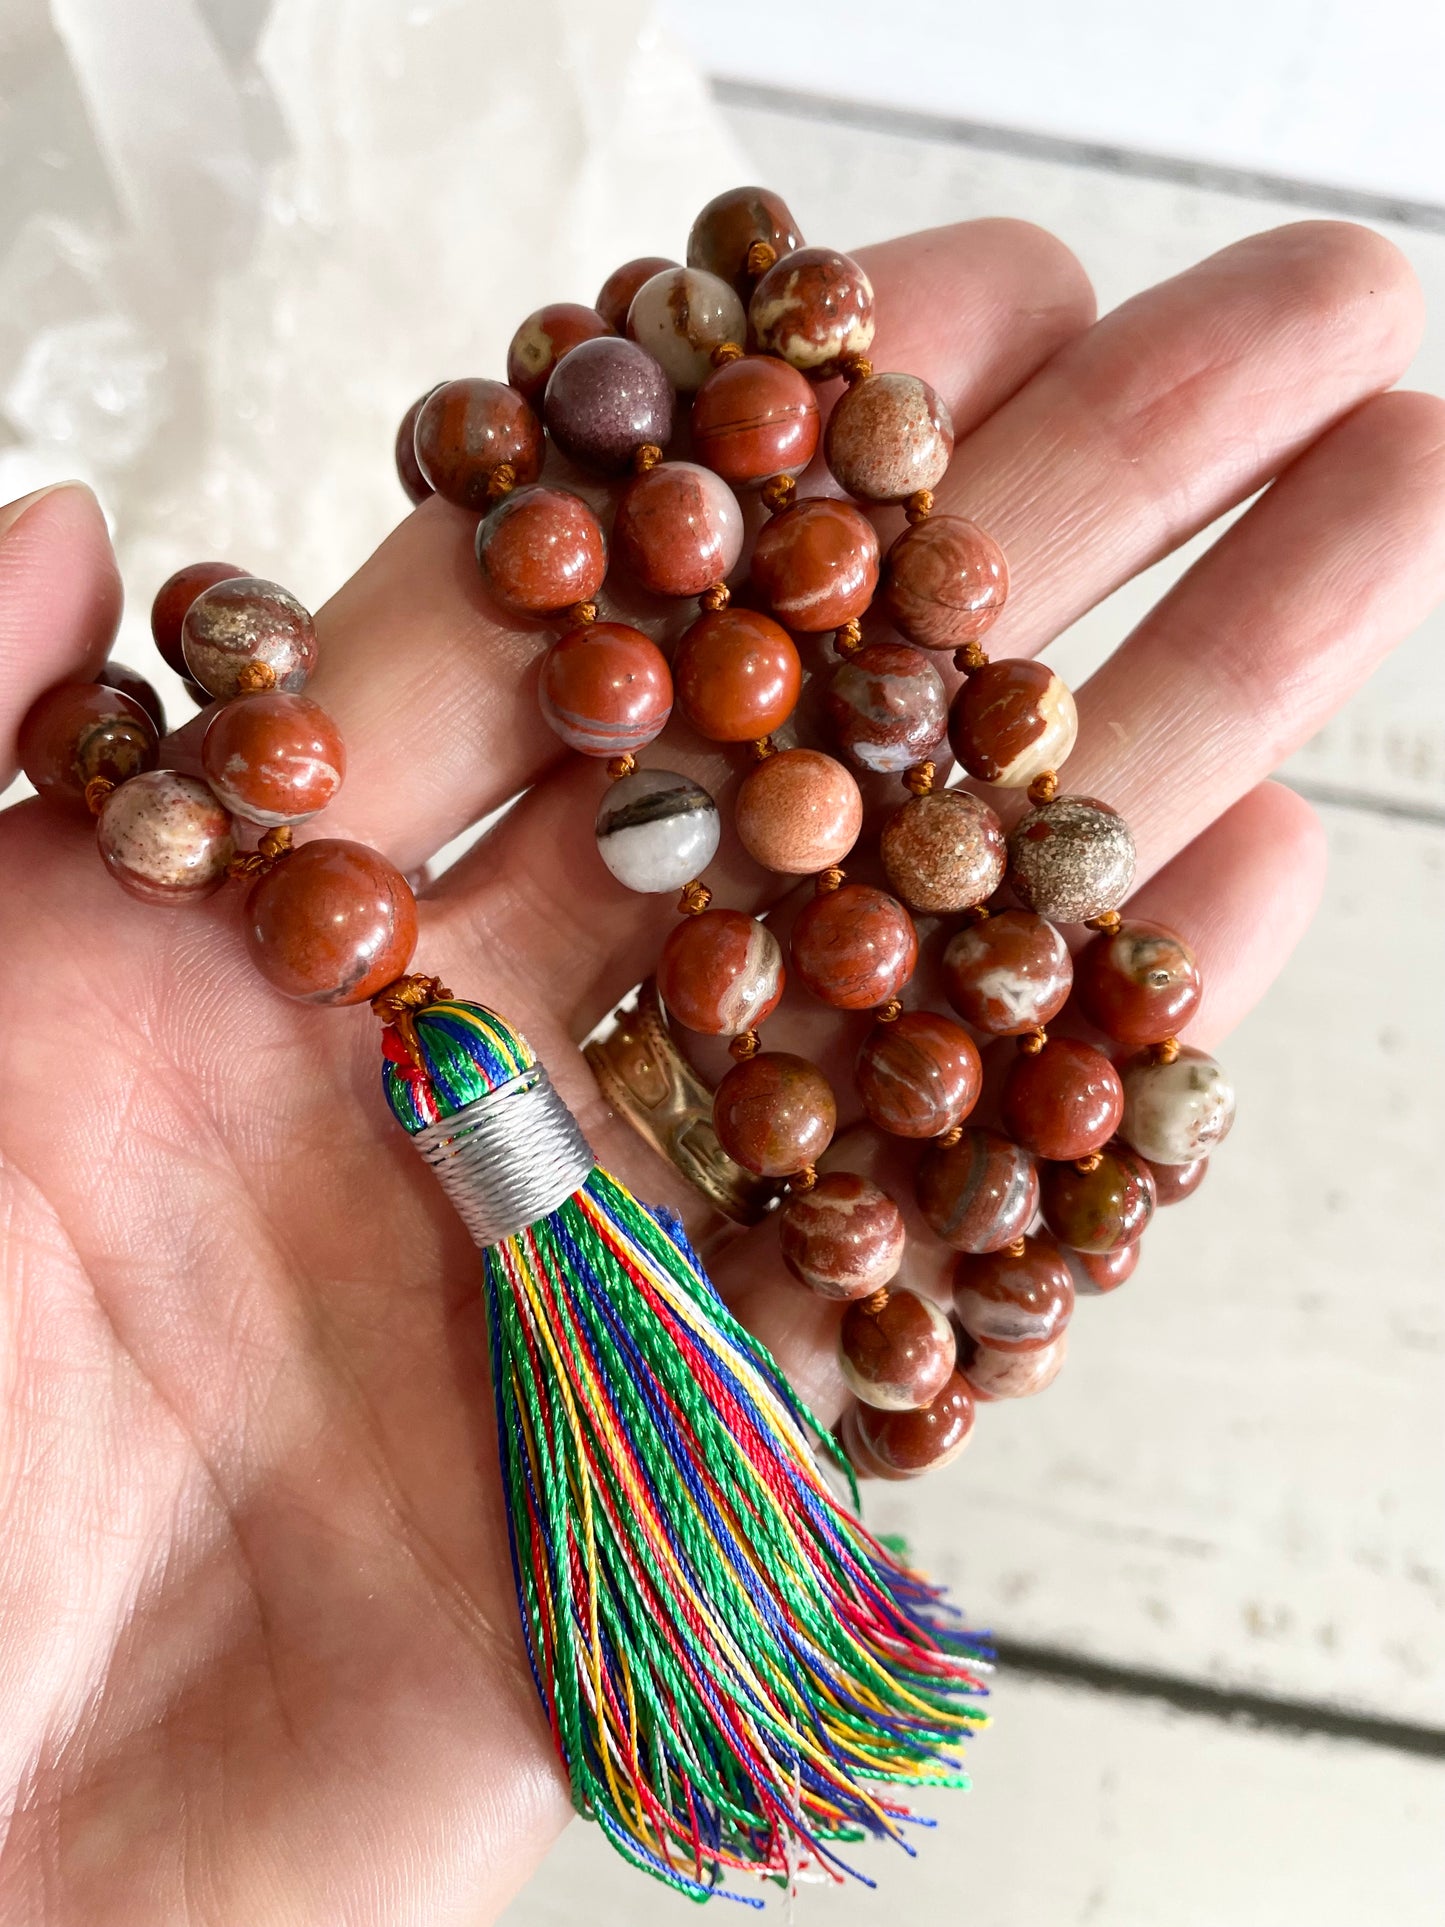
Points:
(727, 1659)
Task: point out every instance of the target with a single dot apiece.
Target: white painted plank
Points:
(1093, 1810)
(1321, 90)
(853, 184)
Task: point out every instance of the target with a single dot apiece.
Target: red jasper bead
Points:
(543, 339)
(1063, 1101)
(720, 972)
(945, 583)
(774, 1114)
(754, 418)
(605, 688)
(854, 947)
(1011, 721)
(273, 758)
(919, 1075)
(980, 1193)
(1014, 1301)
(813, 307)
(78, 731)
(903, 1445)
(408, 472)
(896, 1356)
(1175, 1182)
(944, 851)
(616, 294)
(816, 564)
(844, 1238)
(332, 923)
(1100, 1209)
(887, 707)
(1008, 973)
(1138, 984)
(992, 1374)
(175, 596)
(469, 429)
(1095, 1272)
(678, 529)
(540, 550)
(129, 682)
(738, 675)
(731, 224)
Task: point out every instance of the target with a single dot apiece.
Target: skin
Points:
(258, 1650)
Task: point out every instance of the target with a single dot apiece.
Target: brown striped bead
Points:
(897, 1356)
(945, 582)
(1011, 721)
(887, 707)
(175, 596)
(678, 529)
(754, 418)
(720, 972)
(816, 564)
(244, 625)
(980, 1193)
(919, 1075)
(605, 688)
(1014, 1301)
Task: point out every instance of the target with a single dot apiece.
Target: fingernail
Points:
(11, 512)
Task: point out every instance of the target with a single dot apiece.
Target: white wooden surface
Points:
(1240, 1479)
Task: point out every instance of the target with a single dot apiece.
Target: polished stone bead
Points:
(408, 469)
(1014, 1301)
(1097, 1272)
(129, 682)
(243, 626)
(680, 316)
(844, 1238)
(1101, 1209)
(273, 758)
(165, 838)
(887, 437)
(738, 675)
(543, 339)
(77, 731)
(1011, 721)
(754, 418)
(1008, 973)
(1063, 1101)
(774, 1114)
(944, 851)
(798, 812)
(678, 529)
(919, 1075)
(992, 1374)
(541, 550)
(813, 307)
(332, 923)
(898, 1356)
(605, 400)
(615, 295)
(174, 597)
(1139, 984)
(1071, 859)
(605, 688)
(816, 564)
(1173, 1183)
(904, 1445)
(854, 947)
(980, 1193)
(944, 582)
(1175, 1112)
(731, 224)
(657, 830)
(887, 707)
(467, 430)
(720, 972)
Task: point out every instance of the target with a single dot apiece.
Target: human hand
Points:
(259, 1655)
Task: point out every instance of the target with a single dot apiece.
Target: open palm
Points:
(258, 1649)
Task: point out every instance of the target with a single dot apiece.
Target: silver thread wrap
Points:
(509, 1157)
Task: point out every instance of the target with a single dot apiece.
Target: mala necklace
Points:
(727, 1659)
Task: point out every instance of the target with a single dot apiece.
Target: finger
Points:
(1244, 892)
(60, 601)
(1136, 434)
(435, 691)
(1272, 630)
(1176, 407)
